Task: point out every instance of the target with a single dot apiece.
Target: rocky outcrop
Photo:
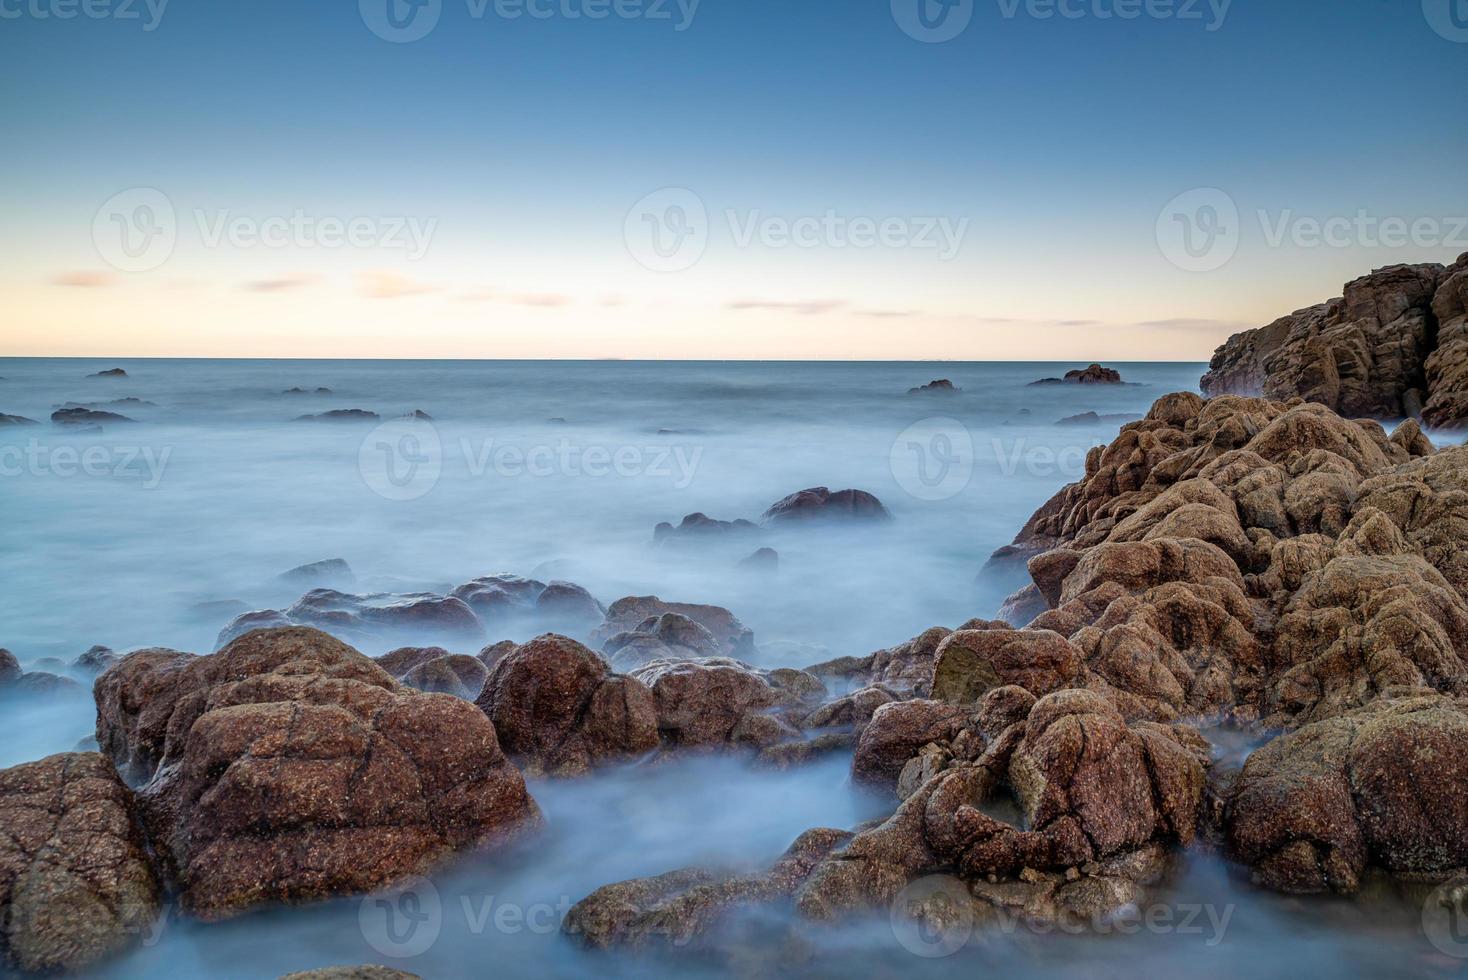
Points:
(76, 883)
(697, 527)
(1392, 346)
(820, 505)
(288, 767)
(16, 420)
(671, 636)
(109, 373)
(328, 573)
(941, 385)
(1093, 374)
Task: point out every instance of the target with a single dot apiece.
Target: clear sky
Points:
(824, 178)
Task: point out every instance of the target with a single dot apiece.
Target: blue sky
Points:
(1057, 142)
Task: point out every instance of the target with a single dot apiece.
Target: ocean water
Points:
(153, 533)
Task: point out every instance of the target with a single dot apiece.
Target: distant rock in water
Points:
(110, 373)
(418, 415)
(303, 391)
(1092, 375)
(1394, 345)
(698, 526)
(86, 416)
(942, 384)
(820, 505)
(330, 572)
(1091, 418)
(16, 420)
(765, 561)
(340, 415)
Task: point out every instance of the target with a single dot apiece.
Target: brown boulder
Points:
(288, 767)
(76, 883)
(559, 709)
(972, 662)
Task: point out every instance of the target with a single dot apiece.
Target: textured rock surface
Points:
(1385, 785)
(1393, 345)
(75, 880)
(558, 708)
(288, 767)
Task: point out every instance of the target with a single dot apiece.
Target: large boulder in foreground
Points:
(76, 883)
(288, 767)
(559, 709)
(1384, 786)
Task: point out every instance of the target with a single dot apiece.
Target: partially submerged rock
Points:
(942, 385)
(821, 505)
(76, 882)
(632, 612)
(288, 767)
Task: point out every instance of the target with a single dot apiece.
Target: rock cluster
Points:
(288, 767)
(1240, 561)
(1394, 345)
(561, 709)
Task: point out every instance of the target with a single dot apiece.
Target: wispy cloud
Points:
(802, 307)
(85, 279)
(282, 283)
(540, 300)
(390, 285)
(888, 314)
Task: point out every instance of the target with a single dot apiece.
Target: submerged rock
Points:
(289, 768)
(734, 639)
(340, 415)
(76, 882)
(86, 416)
(16, 420)
(327, 573)
(820, 505)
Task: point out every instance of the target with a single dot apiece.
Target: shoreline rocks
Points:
(289, 751)
(1393, 345)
